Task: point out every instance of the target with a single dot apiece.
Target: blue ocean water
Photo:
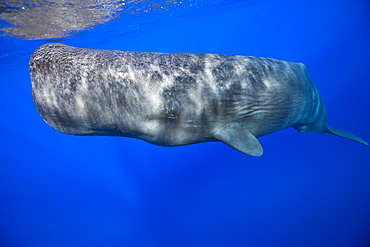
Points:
(305, 190)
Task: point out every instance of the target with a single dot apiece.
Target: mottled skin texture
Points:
(170, 99)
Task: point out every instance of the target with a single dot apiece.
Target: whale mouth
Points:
(318, 123)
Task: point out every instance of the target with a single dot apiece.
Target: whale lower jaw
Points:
(345, 134)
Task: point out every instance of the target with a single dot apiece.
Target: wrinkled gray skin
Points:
(174, 99)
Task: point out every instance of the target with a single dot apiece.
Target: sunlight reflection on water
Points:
(41, 19)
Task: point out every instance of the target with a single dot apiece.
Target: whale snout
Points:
(319, 124)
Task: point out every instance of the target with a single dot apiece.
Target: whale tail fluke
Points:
(345, 134)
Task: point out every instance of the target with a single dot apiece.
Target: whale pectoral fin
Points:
(240, 139)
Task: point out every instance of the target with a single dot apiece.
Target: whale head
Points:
(319, 123)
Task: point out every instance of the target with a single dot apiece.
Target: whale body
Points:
(175, 99)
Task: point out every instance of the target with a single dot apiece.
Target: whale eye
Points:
(171, 117)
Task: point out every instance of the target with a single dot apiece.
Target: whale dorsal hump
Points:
(240, 139)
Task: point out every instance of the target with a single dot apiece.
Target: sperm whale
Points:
(175, 99)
